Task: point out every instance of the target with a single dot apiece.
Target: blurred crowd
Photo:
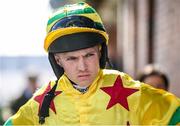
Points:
(155, 77)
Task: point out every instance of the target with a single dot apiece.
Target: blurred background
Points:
(141, 32)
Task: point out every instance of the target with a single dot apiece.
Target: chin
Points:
(84, 84)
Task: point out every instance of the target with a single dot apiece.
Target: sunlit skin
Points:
(155, 81)
(81, 66)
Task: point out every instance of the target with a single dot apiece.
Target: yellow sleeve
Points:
(24, 116)
(158, 107)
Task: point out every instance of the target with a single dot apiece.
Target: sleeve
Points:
(23, 117)
(159, 107)
(154, 106)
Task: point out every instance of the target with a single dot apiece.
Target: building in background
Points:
(149, 32)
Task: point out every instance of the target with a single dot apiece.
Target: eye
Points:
(89, 55)
(71, 58)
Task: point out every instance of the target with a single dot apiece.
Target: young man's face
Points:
(81, 66)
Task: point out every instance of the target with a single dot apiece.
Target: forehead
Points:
(79, 52)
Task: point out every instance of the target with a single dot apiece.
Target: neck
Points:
(82, 89)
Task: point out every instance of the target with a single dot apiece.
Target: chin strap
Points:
(44, 110)
(109, 63)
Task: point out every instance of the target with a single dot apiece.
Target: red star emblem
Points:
(118, 93)
(40, 98)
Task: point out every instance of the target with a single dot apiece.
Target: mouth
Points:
(84, 76)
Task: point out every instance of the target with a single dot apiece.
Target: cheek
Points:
(94, 63)
(69, 68)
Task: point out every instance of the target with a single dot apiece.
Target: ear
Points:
(58, 60)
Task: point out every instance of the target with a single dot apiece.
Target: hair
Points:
(152, 71)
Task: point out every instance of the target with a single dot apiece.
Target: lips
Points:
(84, 76)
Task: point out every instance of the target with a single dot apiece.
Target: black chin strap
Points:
(44, 110)
(109, 63)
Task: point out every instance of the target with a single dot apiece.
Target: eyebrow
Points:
(91, 51)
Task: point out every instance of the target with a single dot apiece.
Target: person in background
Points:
(1, 117)
(154, 77)
(85, 92)
(32, 85)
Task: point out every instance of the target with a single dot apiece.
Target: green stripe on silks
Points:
(80, 11)
(175, 118)
(8, 122)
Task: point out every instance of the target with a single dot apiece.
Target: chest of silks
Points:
(112, 99)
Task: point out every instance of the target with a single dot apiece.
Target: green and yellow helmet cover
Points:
(80, 11)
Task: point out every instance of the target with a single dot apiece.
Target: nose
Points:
(82, 66)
